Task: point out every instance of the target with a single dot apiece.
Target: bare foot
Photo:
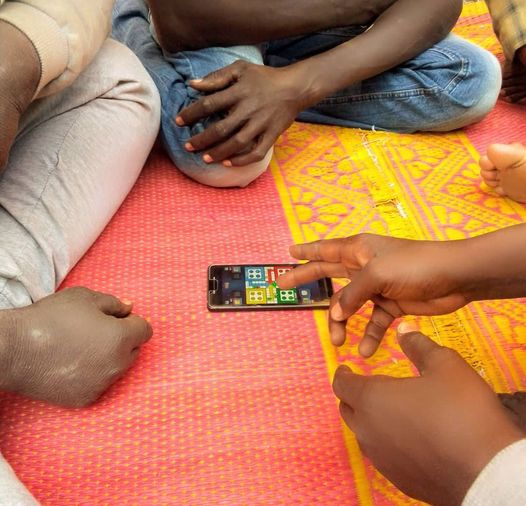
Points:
(516, 406)
(514, 79)
(503, 168)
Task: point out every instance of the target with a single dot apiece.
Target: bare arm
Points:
(20, 73)
(263, 101)
(403, 31)
(182, 24)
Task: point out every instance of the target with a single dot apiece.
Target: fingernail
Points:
(127, 302)
(227, 163)
(344, 369)
(366, 348)
(195, 80)
(189, 147)
(336, 312)
(179, 121)
(407, 327)
(207, 158)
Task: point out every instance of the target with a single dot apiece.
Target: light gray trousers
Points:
(76, 157)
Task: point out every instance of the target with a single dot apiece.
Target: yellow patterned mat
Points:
(335, 182)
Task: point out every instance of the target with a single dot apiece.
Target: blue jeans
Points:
(451, 85)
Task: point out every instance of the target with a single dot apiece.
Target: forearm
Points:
(20, 68)
(403, 31)
(20, 73)
(493, 266)
(182, 25)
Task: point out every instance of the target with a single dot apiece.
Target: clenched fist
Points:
(68, 348)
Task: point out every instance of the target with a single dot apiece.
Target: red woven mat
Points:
(219, 409)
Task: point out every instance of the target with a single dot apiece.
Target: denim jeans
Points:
(452, 84)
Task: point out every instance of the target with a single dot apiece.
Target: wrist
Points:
(20, 67)
(479, 465)
(501, 478)
(306, 85)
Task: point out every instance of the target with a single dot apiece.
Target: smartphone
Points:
(253, 287)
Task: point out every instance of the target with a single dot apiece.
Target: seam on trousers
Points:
(414, 92)
(38, 200)
(460, 74)
(3, 298)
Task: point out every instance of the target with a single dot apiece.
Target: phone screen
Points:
(232, 287)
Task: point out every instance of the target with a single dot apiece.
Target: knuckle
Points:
(376, 272)
(81, 291)
(259, 154)
(240, 140)
(447, 354)
(147, 331)
(220, 129)
(208, 105)
(362, 243)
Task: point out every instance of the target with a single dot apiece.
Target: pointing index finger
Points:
(311, 271)
(328, 250)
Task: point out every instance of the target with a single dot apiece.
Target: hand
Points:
(514, 79)
(400, 276)
(19, 77)
(431, 435)
(68, 348)
(259, 103)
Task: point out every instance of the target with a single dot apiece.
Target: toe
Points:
(490, 176)
(507, 156)
(486, 164)
(491, 184)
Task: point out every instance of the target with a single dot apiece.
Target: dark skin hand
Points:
(404, 277)
(19, 77)
(258, 102)
(443, 427)
(68, 348)
(514, 78)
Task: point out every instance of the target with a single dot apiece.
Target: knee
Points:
(476, 92)
(488, 83)
(132, 84)
(216, 175)
(482, 86)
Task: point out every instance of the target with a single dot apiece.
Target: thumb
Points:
(418, 347)
(112, 306)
